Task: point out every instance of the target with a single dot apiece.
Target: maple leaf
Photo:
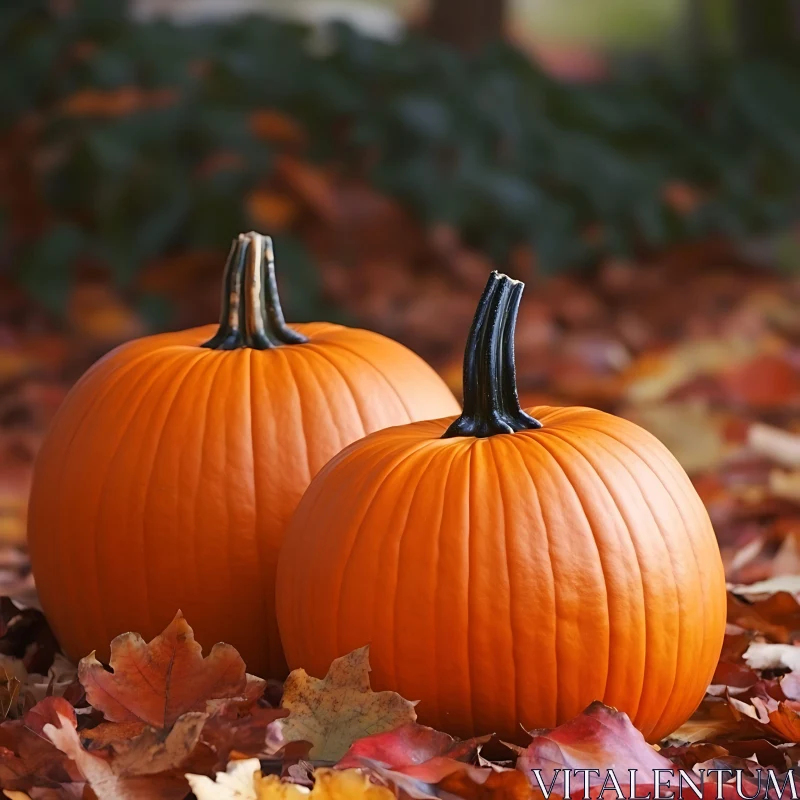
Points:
(157, 682)
(143, 768)
(333, 712)
(599, 738)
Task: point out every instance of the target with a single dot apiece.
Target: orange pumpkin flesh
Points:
(506, 568)
(174, 465)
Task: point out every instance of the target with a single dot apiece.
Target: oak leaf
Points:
(157, 682)
(333, 712)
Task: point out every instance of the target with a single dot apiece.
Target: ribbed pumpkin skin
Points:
(171, 471)
(513, 579)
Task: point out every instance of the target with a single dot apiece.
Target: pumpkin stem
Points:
(251, 309)
(491, 403)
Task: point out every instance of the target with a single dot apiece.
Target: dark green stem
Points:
(251, 309)
(491, 403)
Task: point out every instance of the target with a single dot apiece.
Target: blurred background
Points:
(637, 164)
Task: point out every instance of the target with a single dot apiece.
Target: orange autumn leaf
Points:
(272, 211)
(769, 382)
(310, 184)
(500, 785)
(275, 126)
(158, 681)
(116, 102)
(328, 785)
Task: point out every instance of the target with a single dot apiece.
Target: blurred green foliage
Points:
(491, 145)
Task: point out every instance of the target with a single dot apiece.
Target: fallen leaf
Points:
(712, 722)
(410, 745)
(146, 768)
(157, 682)
(785, 484)
(491, 785)
(275, 126)
(329, 784)
(272, 211)
(599, 738)
(766, 383)
(779, 718)
(310, 184)
(236, 783)
(781, 446)
(243, 781)
(764, 589)
(655, 375)
(777, 617)
(47, 711)
(773, 656)
(333, 712)
(116, 102)
(692, 432)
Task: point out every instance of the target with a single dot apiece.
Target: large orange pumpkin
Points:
(508, 568)
(175, 463)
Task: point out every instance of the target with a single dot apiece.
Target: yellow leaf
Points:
(329, 784)
(333, 712)
(271, 787)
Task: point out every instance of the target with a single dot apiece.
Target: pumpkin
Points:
(507, 568)
(174, 465)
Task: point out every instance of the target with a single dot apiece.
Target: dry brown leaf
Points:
(145, 768)
(333, 712)
(157, 682)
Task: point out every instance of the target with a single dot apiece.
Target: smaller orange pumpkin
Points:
(506, 567)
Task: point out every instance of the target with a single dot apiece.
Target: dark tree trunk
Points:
(467, 24)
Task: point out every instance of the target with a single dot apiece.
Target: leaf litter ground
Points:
(697, 346)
